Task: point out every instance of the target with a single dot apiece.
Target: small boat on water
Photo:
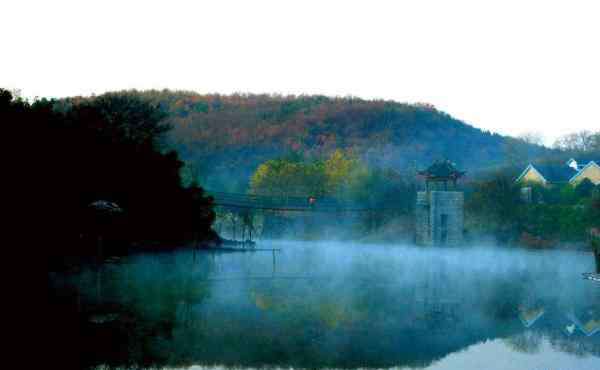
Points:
(591, 276)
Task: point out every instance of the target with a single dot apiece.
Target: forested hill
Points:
(227, 136)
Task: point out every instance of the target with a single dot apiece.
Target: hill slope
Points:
(228, 136)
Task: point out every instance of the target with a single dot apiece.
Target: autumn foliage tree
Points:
(343, 178)
(284, 178)
(334, 176)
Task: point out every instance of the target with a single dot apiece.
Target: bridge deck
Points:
(298, 204)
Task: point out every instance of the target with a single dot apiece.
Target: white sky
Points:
(506, 66)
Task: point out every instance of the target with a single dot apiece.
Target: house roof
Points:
(560, 172)
(550, 172)
(555, 172)
(583, 160)
(585, 167)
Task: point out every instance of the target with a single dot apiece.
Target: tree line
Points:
(108, 150)
(579, 142)
(341, 179)
(554, 215)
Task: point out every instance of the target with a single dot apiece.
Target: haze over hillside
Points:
(228, 136)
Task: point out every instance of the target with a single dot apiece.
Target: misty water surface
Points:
(341, 305)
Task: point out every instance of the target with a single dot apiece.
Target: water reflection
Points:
(331, 305)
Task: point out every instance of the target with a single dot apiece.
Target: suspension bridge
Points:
(297, 203)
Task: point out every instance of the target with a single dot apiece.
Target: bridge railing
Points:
(291, 203)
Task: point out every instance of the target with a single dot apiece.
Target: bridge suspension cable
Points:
(293, 203)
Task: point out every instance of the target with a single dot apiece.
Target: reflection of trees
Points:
(142, 301)
(527, 342)
(577, 346)
(596, 251)
(372, 317)
(378, 311)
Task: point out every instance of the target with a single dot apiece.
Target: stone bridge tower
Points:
(440, 209)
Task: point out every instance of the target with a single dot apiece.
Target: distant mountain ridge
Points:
(228, 136)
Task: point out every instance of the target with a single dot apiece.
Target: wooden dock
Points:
(238, 249)
(591, 276)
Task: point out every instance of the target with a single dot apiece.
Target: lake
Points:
(335, 305)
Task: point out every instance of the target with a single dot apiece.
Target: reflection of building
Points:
(588, 326)
(570, 329)
(439, 212)
(529, 316)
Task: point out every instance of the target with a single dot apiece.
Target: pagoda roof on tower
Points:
(442, 170)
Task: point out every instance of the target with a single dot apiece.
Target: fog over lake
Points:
(340, 305)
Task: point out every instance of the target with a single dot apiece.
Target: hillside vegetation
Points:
(226, 137)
